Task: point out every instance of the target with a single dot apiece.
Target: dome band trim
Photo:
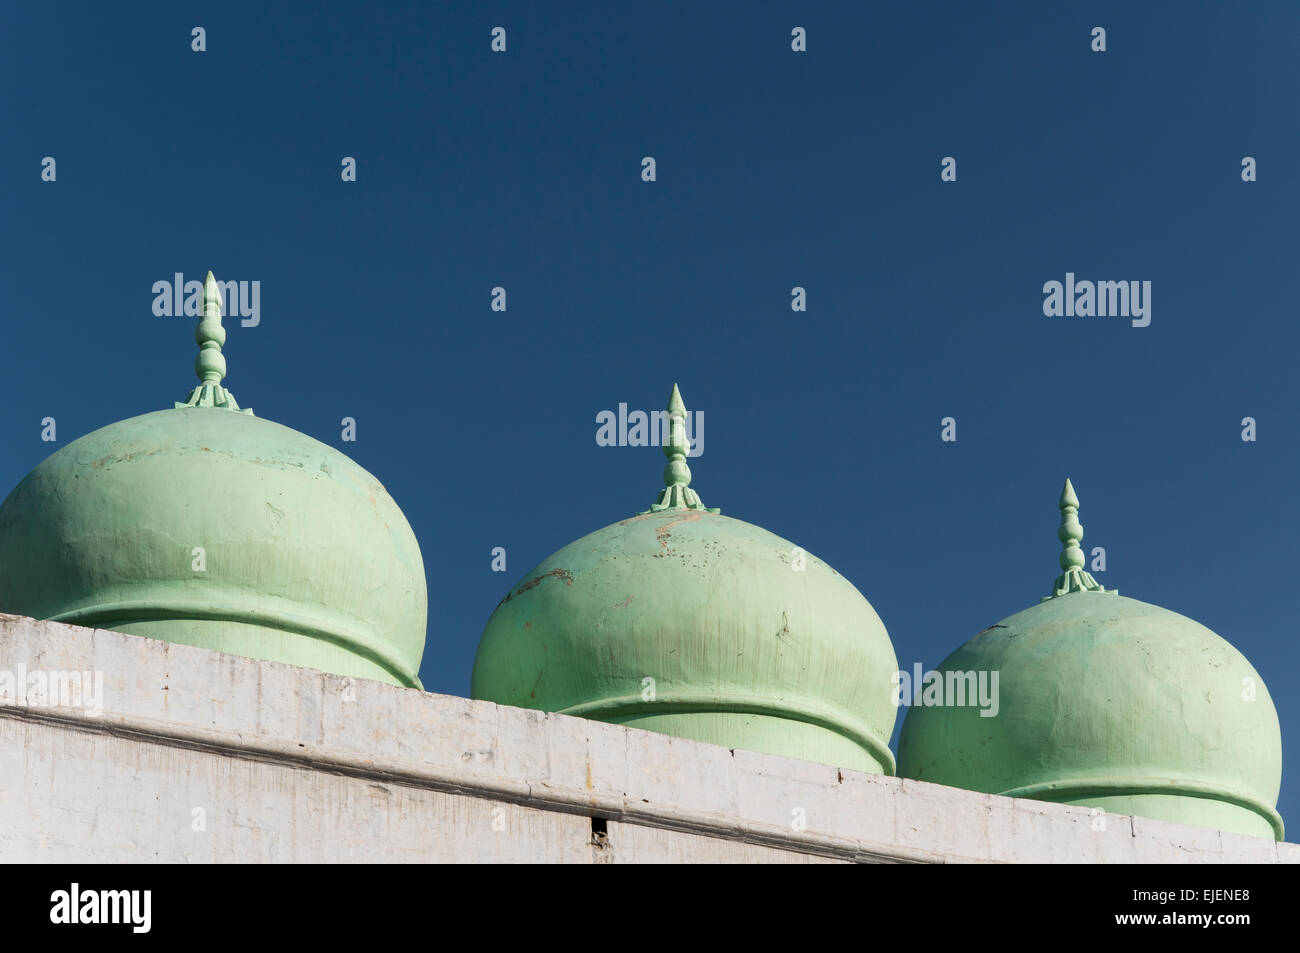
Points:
(166, 610)
(1111, 787)
(699, 703)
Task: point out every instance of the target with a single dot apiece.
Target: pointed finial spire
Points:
(1073, 578)
(677, 492)
(675, 406)
(210, 365)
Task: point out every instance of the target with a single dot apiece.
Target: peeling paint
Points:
(663, 532)
(558, 573)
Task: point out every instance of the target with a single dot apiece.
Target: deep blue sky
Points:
(775, 169)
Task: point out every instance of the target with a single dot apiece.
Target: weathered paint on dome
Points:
(1111, 703)
(305, 558)
(687, 622)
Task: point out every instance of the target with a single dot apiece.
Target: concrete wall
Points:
(198, 756)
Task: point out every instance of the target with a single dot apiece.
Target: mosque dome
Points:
(1110, 703)
(206, 525)
(687, 622)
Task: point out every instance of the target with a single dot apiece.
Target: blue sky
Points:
(774, 169)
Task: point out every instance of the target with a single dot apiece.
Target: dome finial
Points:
(210, 365)
(1073, 578)
(677, 492)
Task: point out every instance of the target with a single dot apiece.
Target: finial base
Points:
(678, 497)
(214, 395)
(1076, 580)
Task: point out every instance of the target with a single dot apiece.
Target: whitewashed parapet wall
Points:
(199, 756)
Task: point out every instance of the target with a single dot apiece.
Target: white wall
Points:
(289, 764)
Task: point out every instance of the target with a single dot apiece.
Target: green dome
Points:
(305, 558)
(687, 622)
(1111, 703)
